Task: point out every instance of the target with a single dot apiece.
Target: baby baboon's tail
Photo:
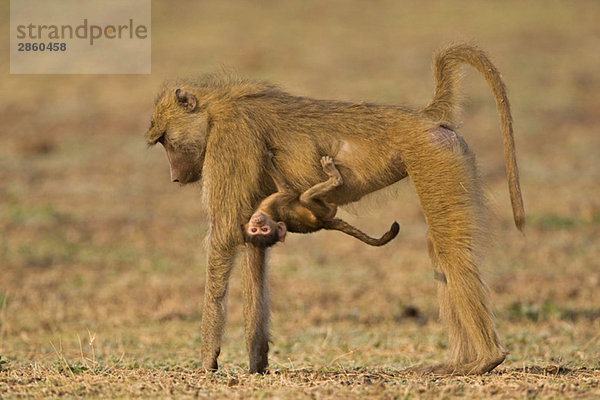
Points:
(343, 226)
(446, 73)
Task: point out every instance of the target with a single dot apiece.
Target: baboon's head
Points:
(180, 124)
(262, 231)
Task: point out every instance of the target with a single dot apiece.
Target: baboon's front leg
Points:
(218, 270)
(309, 197)
(256, 307)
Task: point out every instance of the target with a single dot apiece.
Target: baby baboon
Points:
(302, 213)
(222, 128)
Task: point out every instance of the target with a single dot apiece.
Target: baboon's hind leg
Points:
(454, 207)
(462, 354)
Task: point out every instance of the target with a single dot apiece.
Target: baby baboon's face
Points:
(262, 231)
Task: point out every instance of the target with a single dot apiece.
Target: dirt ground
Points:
(102, 259)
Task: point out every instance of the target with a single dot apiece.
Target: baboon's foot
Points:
(328, 165)
(330, 169)
(259, 366)
(259, 358)
(473, 368)
(210, 366)
(209, 359)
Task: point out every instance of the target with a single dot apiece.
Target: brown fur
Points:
(223, 128)
(302, 213)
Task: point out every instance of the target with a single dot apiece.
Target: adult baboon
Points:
(302, 212)
(223, 128)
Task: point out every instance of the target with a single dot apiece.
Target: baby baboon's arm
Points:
(280, 182)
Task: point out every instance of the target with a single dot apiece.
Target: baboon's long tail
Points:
(446, 69)
(343, 226)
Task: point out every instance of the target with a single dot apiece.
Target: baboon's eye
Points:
(265, 229)
(253, 230)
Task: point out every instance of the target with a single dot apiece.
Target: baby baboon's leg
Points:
(321, 189)
(256, 307)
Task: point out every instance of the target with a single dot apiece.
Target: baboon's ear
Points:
(186, 100)
(281, 231)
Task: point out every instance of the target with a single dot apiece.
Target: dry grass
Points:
(178, 382)
(102, 267)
